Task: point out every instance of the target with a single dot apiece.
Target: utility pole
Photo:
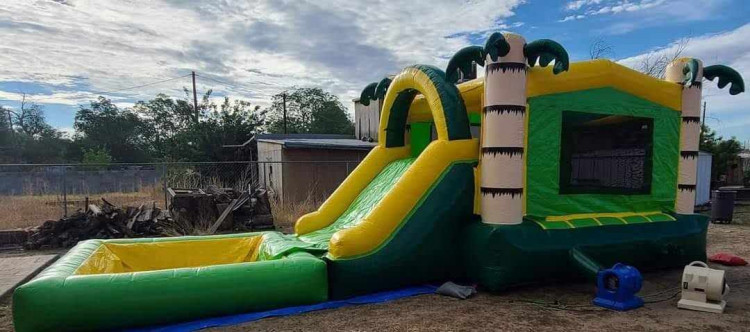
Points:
(703, 121)
(283, 97)
(195, 99)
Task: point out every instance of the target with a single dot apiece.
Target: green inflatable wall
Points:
(58, 299)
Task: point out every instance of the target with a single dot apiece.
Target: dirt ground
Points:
(556, 307)
(552, 307)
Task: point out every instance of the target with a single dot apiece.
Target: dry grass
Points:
(285, 215)
(33, 210)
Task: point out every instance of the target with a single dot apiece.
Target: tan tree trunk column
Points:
(689, 134)
(503, 120)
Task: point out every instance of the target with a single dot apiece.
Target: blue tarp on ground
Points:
(244, 318)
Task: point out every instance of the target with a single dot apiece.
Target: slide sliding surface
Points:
(363, 204)
(410, 235)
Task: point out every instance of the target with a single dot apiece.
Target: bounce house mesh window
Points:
(605, 154)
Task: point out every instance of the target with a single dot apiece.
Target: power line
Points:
(217, 81)
(225, 83)
(123, 89)
(141, 86)
(236, 86)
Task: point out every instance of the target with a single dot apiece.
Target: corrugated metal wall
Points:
(703, 181)
(270, 174)
(367, 120)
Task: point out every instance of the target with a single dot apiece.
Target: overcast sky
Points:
(63, 53)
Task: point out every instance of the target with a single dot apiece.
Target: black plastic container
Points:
(722, 206)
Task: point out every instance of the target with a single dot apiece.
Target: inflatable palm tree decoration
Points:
(506, 57)
(547, 50)
(374, 91)
(368, 93)
(543, 50)
(463, 61)
(689, 73)
(726, 75)
(382, 87)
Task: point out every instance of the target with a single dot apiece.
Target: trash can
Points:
(722, 206)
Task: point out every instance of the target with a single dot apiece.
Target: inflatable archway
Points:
(443, 99)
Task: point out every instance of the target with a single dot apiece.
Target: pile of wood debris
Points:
(105, 221)
(219, 209)
(192, 212)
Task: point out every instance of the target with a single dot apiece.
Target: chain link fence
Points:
(31, 194)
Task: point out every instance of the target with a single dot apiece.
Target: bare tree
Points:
(29, 118)
(655, 63)
(600, 49)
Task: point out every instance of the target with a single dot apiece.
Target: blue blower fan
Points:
(617, 286)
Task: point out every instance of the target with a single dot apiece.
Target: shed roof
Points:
(316, 141)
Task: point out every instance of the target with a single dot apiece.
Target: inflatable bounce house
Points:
(576, 167)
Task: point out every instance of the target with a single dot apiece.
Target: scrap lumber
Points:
(192, 211)
(97, 222)
(223, 216)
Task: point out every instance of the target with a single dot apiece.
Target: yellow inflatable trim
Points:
(387, 216)
(583, 75)
(604, 73)
(471, 92)
(345, 194)
(601, 219)
(569, 217)
(414, 78)
(150, 256)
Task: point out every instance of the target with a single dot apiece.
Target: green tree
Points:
(164, 118)
(96, 156)
(121, 132)
(308, 111)
(48, 146)
(28, 119)
(25, 136)
(6, 135)
(724, 151)
(177, 132)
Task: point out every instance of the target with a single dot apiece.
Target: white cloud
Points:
(259, 47)
(62, 98)
(729, 114)
(625, 6)
(637, 14)
(571, 18)
(578, 4)
(67, 132)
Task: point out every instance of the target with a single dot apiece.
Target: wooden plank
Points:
(95, 210)
(223, 216)
(132, 220)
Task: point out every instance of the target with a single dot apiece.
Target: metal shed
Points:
(297, 166)
(703, 180)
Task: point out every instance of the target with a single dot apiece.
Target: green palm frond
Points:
(382, 87)
(691, 72)
(462, 61)
(547, 50)
(726, 76)
(496, 45)
(368, 94)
